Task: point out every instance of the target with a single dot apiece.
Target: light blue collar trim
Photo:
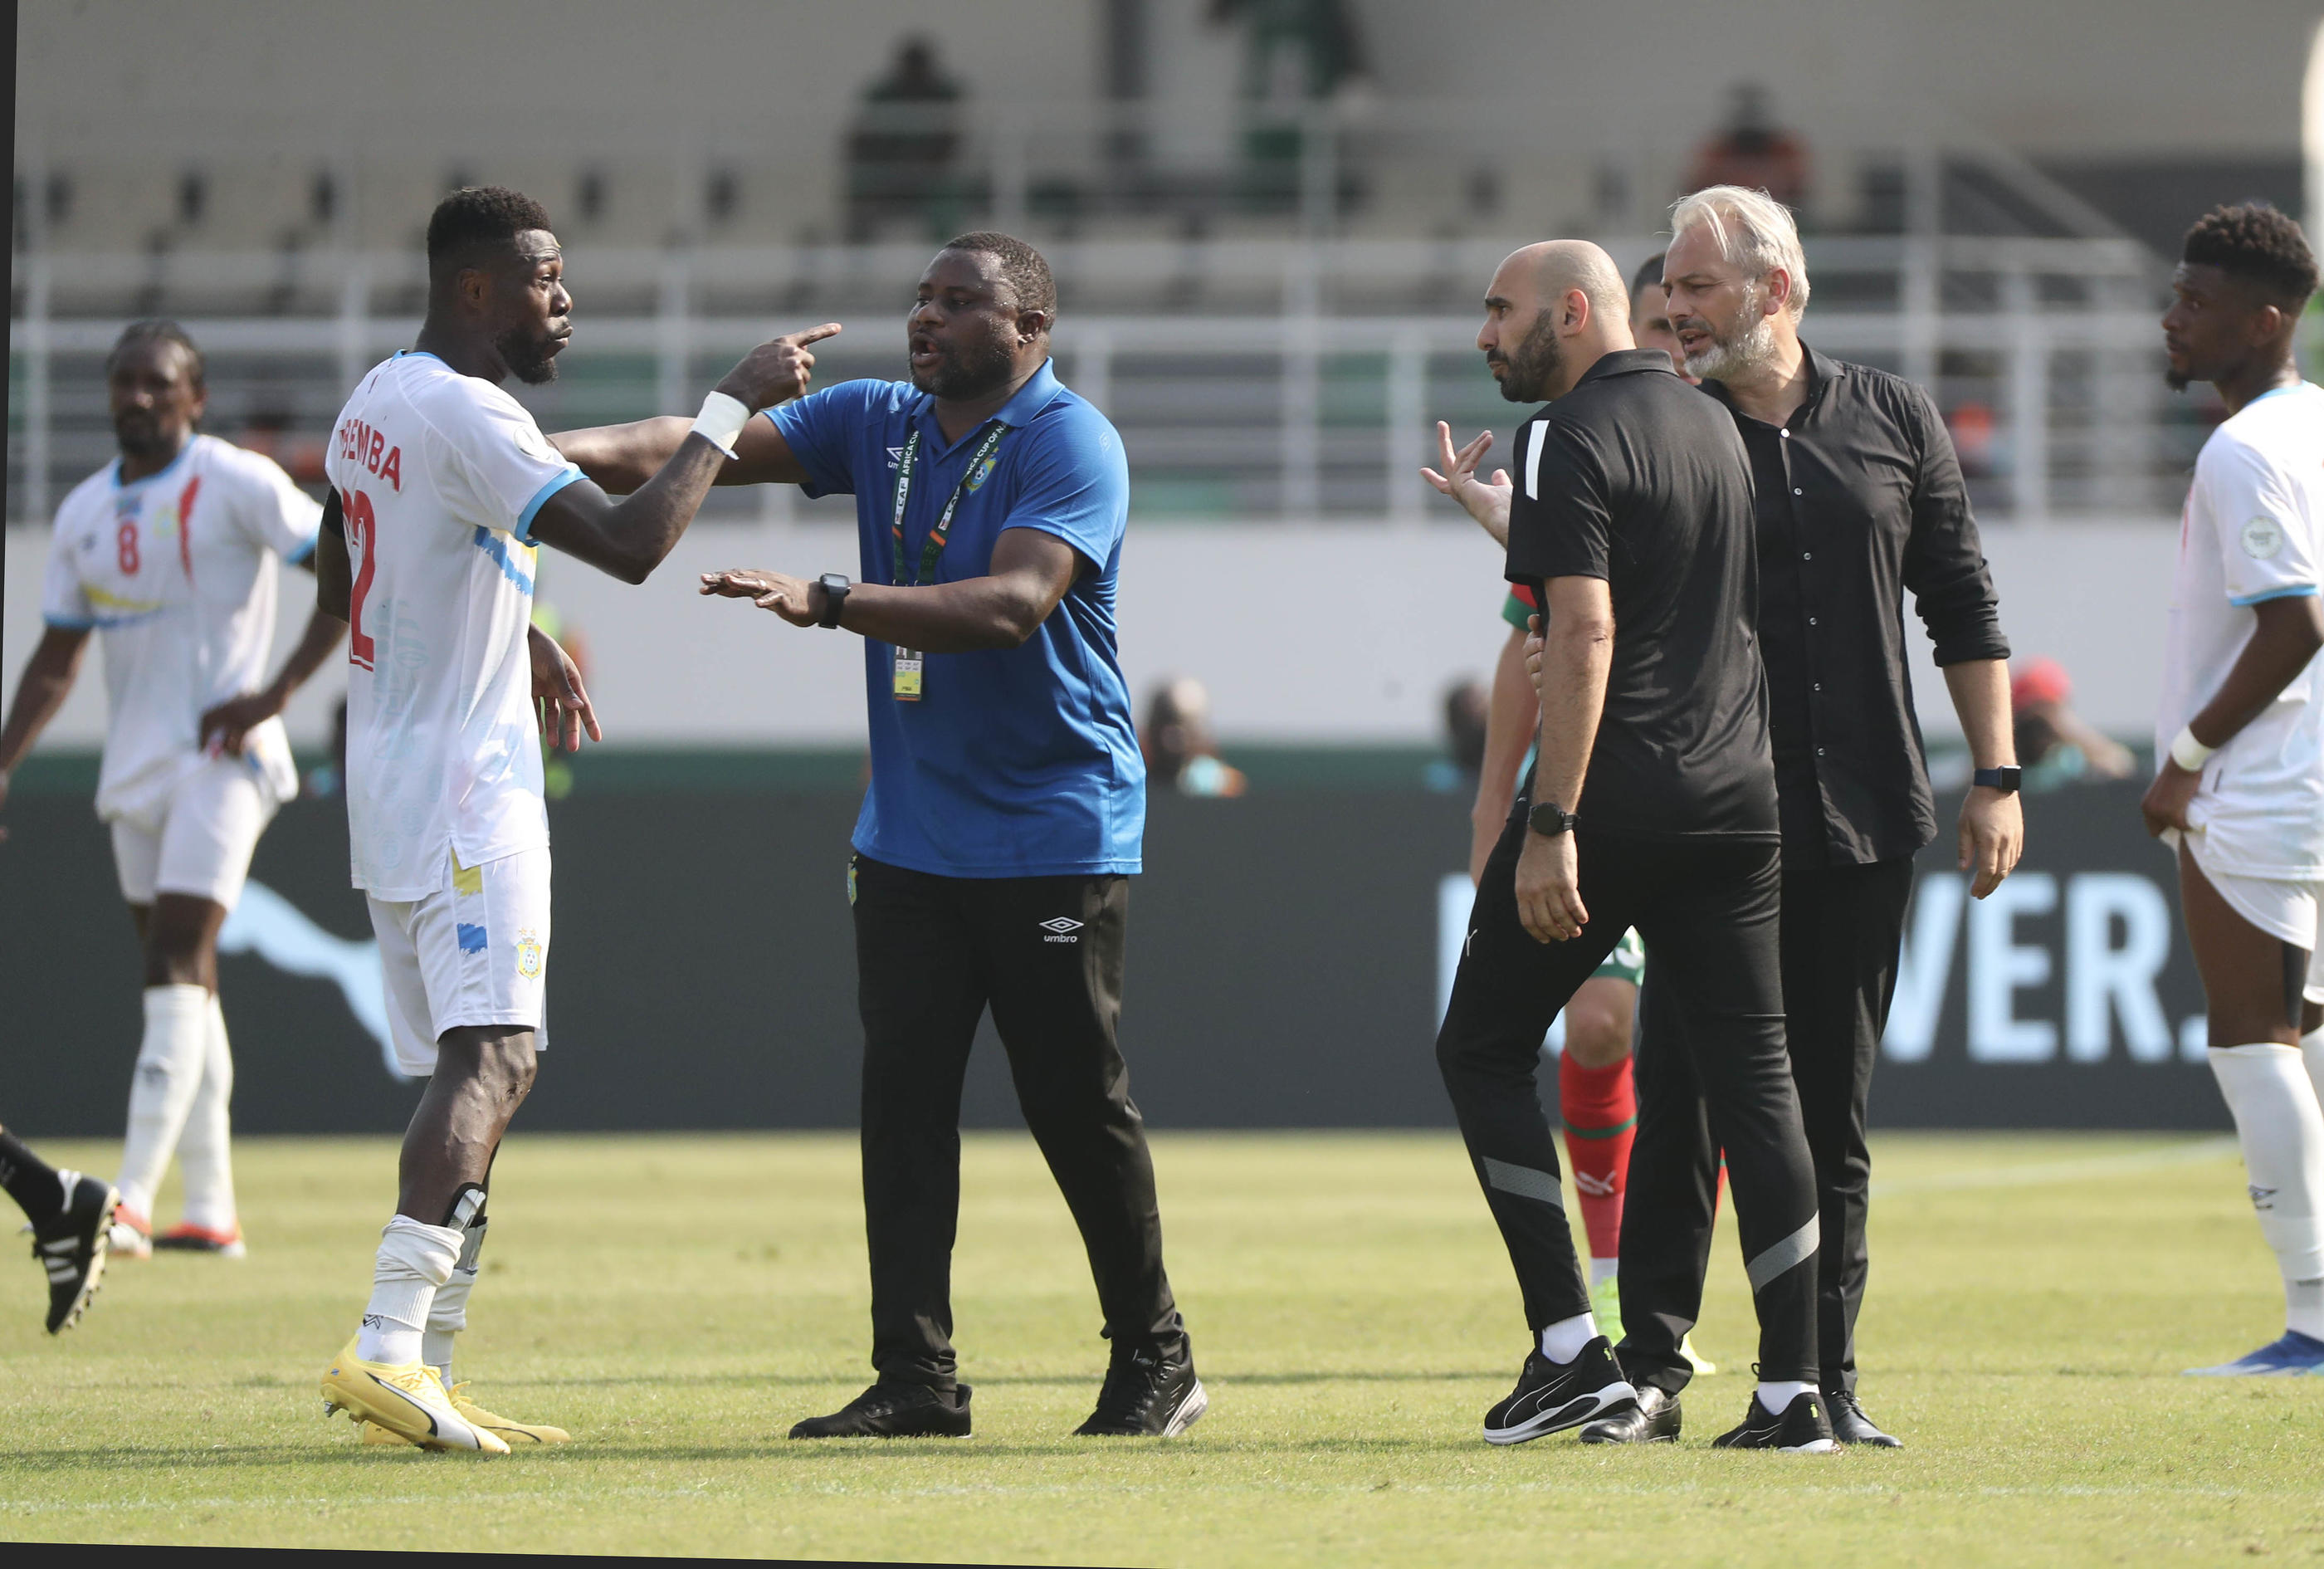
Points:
(164, 471)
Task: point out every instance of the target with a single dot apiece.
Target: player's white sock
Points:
(2311, 1054)
(1563, 1342)
(168, 1072)
(1602, 1271)
(447, 1316)
(414, 1259)
(1776, 1394)
(205, 1153)
(2281, 1127)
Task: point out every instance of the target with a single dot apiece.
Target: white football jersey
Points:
(2251, 533)
(439, 475)
(177, 573)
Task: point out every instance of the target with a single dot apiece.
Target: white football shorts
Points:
(2284, 909)
(474, 952)
(200, 842)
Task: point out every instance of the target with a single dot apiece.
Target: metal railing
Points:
(1249, 378)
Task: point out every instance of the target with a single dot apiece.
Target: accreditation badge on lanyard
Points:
(911, 664)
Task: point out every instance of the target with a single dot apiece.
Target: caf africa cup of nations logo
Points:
(529, 955)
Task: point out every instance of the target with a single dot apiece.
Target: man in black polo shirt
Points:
(1858, 498)
(1653, 805)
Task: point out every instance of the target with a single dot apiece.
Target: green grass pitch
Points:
(678, 1302)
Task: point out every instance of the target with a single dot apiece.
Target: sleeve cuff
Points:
(70, 622)
(302, 554)
(523, 529)
(2295, 591)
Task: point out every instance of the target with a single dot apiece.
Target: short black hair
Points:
(154, 329)
(470, 219)
(1650, 271)
(2260, 245)
(1022, 268)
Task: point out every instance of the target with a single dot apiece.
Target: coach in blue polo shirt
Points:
(1004, 817)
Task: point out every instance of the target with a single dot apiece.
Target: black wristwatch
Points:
(2004, 780)
(1549, 820)
(834, 597)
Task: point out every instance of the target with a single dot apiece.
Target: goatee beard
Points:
(968, 372)
(531, 360)
(1535, 364)
(1723, 358)
(2177, 380)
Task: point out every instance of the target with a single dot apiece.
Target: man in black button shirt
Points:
(1858, 498)
(1653, 805)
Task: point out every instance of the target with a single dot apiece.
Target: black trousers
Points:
(1046, 954)
(1707, 911)
(1841, 930)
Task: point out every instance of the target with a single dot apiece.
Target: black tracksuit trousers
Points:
(1708, 910)
(1841, 930)
(1046, 954)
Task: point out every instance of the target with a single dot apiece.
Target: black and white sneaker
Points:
(1849, 1424)
(1552, 1397)
(1802, 1428)
(1150, 1391)
(71, 1245)
(895, 1411)
(1653, 1418)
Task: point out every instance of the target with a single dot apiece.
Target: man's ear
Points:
(474, 286)
(1779, 290)
(1032, 324)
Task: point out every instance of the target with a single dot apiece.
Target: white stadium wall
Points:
(1344, 634)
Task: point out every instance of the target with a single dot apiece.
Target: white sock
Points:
(413, 1261)
(2311, 1054)
(2281, 1127)
(205, 1152)
(168, 1071)
(1563, 1342)
(1602, 1271)
(1778, 1394)
(447, 1314)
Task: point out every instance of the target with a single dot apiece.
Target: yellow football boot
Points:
(515, 1434)
(404, 1399)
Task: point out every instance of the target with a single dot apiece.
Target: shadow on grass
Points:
(991, 1380)
(851, 1452)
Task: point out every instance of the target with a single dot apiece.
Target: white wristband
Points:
(722, 421)
(2188, 752)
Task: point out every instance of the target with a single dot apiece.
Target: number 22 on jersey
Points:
(363, 527)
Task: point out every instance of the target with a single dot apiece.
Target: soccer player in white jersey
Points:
(170, 552)
(2240, 735)
(442, 488)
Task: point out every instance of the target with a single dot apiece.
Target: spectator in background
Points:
(1296, 52)
(1180, 748)
(2056, 745)
(900, 154)
(1468, 706)
(1751, 151)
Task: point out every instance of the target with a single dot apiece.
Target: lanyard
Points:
(940, 533)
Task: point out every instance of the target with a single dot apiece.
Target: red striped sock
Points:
(1600, 1112)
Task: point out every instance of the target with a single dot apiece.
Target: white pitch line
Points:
(2048, 1171)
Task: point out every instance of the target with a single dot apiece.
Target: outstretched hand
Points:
(557, 697)
(792, 598)
(776, 370)
(1487, 501)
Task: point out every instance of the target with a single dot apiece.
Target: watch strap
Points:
(2005, 780)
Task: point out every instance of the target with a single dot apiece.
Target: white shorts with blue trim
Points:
(474, 953)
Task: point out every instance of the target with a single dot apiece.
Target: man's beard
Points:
(531, 357)
(1741, 348)
(141, 439)
(968, 371)
(1536, 363)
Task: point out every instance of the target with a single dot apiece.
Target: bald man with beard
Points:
(1652, 804)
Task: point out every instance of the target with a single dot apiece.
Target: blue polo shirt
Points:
(1016, 762)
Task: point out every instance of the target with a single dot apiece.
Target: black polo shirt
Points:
(1859, 499)
(1635, 477)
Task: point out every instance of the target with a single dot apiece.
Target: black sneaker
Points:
(1552, 1397)
(1654, 1419)
(71, 1245)
(1802, 1429)
(895, 1411)
(1149, 1393)
(1849, 1424)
